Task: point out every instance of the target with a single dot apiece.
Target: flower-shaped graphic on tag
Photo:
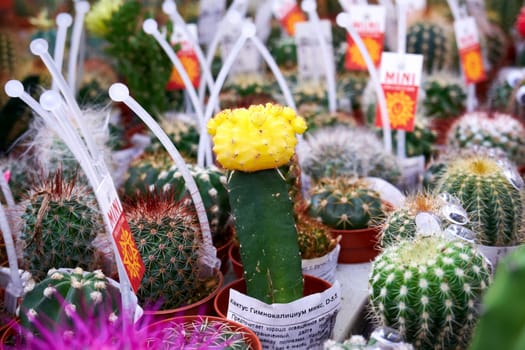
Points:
(130, 257)
(191, 65)
(294, 16)
(354, 60)
(473, 65)
(400, 108)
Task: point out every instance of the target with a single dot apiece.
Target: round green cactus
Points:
(445, 96)
(429, 290)
(343, 151)
(168, 236)
(314, 238)
(497, 130)
(60, 224)
(430, 40)
(494, 203)
(345, 204)
(50, 303)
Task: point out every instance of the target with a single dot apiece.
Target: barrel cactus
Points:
(345, 204)
(62, 227)
(168, 237)
(496, 130)
(429, 289)
(63, 292)
(314, 238)
(490, 194)
(343, 151)
(430, 40)
(444, 95)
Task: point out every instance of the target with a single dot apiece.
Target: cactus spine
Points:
(60, 225)
(429, 290)
(345, 204)
(444, 96)
(51, 302)
(494, 205)
(167, 234)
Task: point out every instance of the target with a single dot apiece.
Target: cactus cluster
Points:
(430, 40)
(168, 236)
(343, 151)
(62, 227)
(493, 201)
(345, 204)
(429, 289)
(444, 96)
(496, 130)
(314, 238)
(51, 303)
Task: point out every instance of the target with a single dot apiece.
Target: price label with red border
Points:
(469, 48)
(400, 77)
(288, 13)
(121, 232)
(369, 23)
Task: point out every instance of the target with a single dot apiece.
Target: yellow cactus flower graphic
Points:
(473, 65)
(130, 255)
(373, 48)
(256, 138)
(400, 108)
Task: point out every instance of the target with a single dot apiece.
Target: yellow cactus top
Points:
(258, 138)
(99, 14)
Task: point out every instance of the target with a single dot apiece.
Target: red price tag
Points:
(400, 76)
(191, 65)
(289, 14)
(469, 50)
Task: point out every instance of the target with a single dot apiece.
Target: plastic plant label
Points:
(323, 267)
(457, 231)
(249, 59)
(400, 77)
(512, 174)
(455, 214)
(413, 5)
(369, 23)
(211, 13)
(188, 58)
(495, 254)
(427, 224)
(302, 324)
(309, 59)
(469, 48)
(288, 13)
(119, 227)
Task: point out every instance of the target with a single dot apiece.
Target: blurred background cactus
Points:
(444, 95)
(432, 41)
(429, 289)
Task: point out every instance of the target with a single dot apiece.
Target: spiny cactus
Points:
(284, 51)
(342, 151)
(430, 40)
(345, 204)
(168, 237)
(245, 89)
(429, 290)
(444, 96)
(314, 238)
(496, 130)
(51, 302)
(382, 338)
(184, 135)
(494, 203)
(62, 227)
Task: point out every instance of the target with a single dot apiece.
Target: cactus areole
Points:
(254, 142)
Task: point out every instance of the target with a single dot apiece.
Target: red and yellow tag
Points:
(191, 65)
(469, 50)
(369, 23)
(400, 77)
(289, 14)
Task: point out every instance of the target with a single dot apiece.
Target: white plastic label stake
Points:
(346, 4)
(309, 60)
(413, 5)
(179, 36)
(281, 8)
(249, 60)
(211, 12)
(263, 18)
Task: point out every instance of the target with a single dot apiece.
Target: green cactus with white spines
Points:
(184, 135)
(429, 289)
(168, 237)
(495, 206)
(343, 151)
(50, 303)
(430, 40)
(444, 95)
(284, 51)
(62, 227)
(314, 238)
(401, 223)
(345, 204)
(496, 130)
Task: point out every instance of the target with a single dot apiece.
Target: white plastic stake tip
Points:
(14, 88)
(248, 30)
(308, 6)
(342, 19)
(234, 17)
(50, 100)
(118, 92)
(169, 7)
(150, 26)
(38, 47)
(82, 6)
(64, 20)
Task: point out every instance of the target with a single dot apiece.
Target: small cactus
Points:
(343, 151)
(429, 289)
(494, 203)
(345, 204)
(496, 130)
(62, 227)
(50, 303)
(430, 40)
(314, 238)
(444, 96)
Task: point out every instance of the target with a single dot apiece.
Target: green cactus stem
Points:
(265, 228)
(430, 40)
(429, 290)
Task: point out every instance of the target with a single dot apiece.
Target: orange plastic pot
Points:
(358, 246)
